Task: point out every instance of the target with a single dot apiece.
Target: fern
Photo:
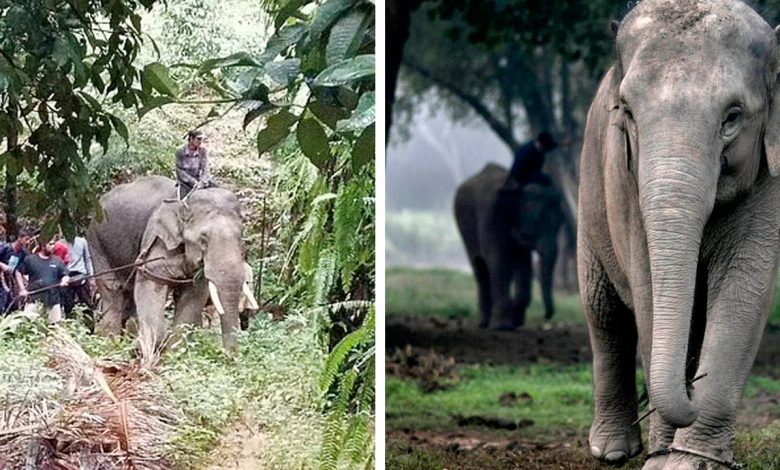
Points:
(348, 382)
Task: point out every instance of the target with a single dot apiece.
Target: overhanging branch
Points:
(503, 131)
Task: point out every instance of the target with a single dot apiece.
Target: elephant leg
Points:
(738, 306)
(150, 298)
(500, 277)
(523, 278)
(483, 290)
(613, 339)
(190, 301)
(113, 304)
(548, 254)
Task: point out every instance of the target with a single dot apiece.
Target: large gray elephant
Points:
(500, 229)
(679, 226)
(144, 220)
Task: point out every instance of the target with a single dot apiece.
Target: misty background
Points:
(426, 162)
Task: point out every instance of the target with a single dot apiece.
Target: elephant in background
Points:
(679, 226)
(144, 221)
(500, 229)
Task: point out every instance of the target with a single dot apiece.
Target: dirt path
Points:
(557, 343)
(428, 349)
(241, 448)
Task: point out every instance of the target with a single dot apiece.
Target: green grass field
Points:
(453, 294)
(556, 399)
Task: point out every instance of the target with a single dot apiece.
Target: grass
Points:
(559, 397)
(272, 383)
(560, 406)
(453, 294)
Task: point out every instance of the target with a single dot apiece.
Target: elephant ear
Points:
(166, 223)
(772, 132)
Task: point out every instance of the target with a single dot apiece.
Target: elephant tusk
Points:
(250, 297)
(215, 298)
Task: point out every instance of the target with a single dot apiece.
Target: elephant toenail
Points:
(615, 456)
(595, 451)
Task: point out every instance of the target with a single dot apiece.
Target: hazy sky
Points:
(422, 172)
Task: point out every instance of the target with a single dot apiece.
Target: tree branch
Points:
(503, 131)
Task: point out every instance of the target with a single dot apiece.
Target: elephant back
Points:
(127, 209)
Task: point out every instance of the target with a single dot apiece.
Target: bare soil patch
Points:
(466, 343)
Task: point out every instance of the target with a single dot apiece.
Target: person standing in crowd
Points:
(192, 165)
(62, 251)
(80, 267)
(44, 270)
(11, 256)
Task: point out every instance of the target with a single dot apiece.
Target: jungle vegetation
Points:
(95, 92)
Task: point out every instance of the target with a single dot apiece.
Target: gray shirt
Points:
(192, 166)
(80, 260)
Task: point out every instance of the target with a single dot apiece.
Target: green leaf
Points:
(120, 127)
(93, 103)
(154, 103)
(156, 75)
(345, 37)
(313, 141)
(258, 92)
(257, 109)
(363, 150)
(347, 71)
(276, 129)
(233, 60)
(326, 15)
(287, 11)
(330, 115)
(363, 116)
(280, 41)
(284, 72)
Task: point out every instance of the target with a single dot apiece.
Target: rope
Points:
(703, 455)
(159, 277)
(82, 278)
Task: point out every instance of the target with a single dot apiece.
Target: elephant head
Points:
(208, 231)
(692, 132)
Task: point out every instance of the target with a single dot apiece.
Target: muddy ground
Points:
(429, 349)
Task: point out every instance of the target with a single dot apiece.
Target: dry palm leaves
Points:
(109, 415)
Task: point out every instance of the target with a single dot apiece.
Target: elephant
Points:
(679, 226)
(500, 233)
(144, 220)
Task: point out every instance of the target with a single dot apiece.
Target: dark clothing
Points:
(527, 166)
(11, 257)
(44, 273)
(192, 166)
(8, 288)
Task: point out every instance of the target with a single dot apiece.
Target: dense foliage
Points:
(60, 64)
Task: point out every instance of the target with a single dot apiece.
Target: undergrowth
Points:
(273, 381)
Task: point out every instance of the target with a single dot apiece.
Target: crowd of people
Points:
(51, 275)
(54, 275)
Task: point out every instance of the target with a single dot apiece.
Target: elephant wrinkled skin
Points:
(144, 217)
(500, 235)
(679, 223)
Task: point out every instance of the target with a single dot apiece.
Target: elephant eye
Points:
(732, 121)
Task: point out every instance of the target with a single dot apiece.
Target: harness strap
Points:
(158, 277)
(703, 455)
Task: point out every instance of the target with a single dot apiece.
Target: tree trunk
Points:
(10, 200)
(398, 19)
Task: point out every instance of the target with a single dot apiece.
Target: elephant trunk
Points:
(676, 194)
(226, 277)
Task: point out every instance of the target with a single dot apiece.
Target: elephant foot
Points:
(688, 459)
(504, 327)
(656, 460)
(615, 442)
